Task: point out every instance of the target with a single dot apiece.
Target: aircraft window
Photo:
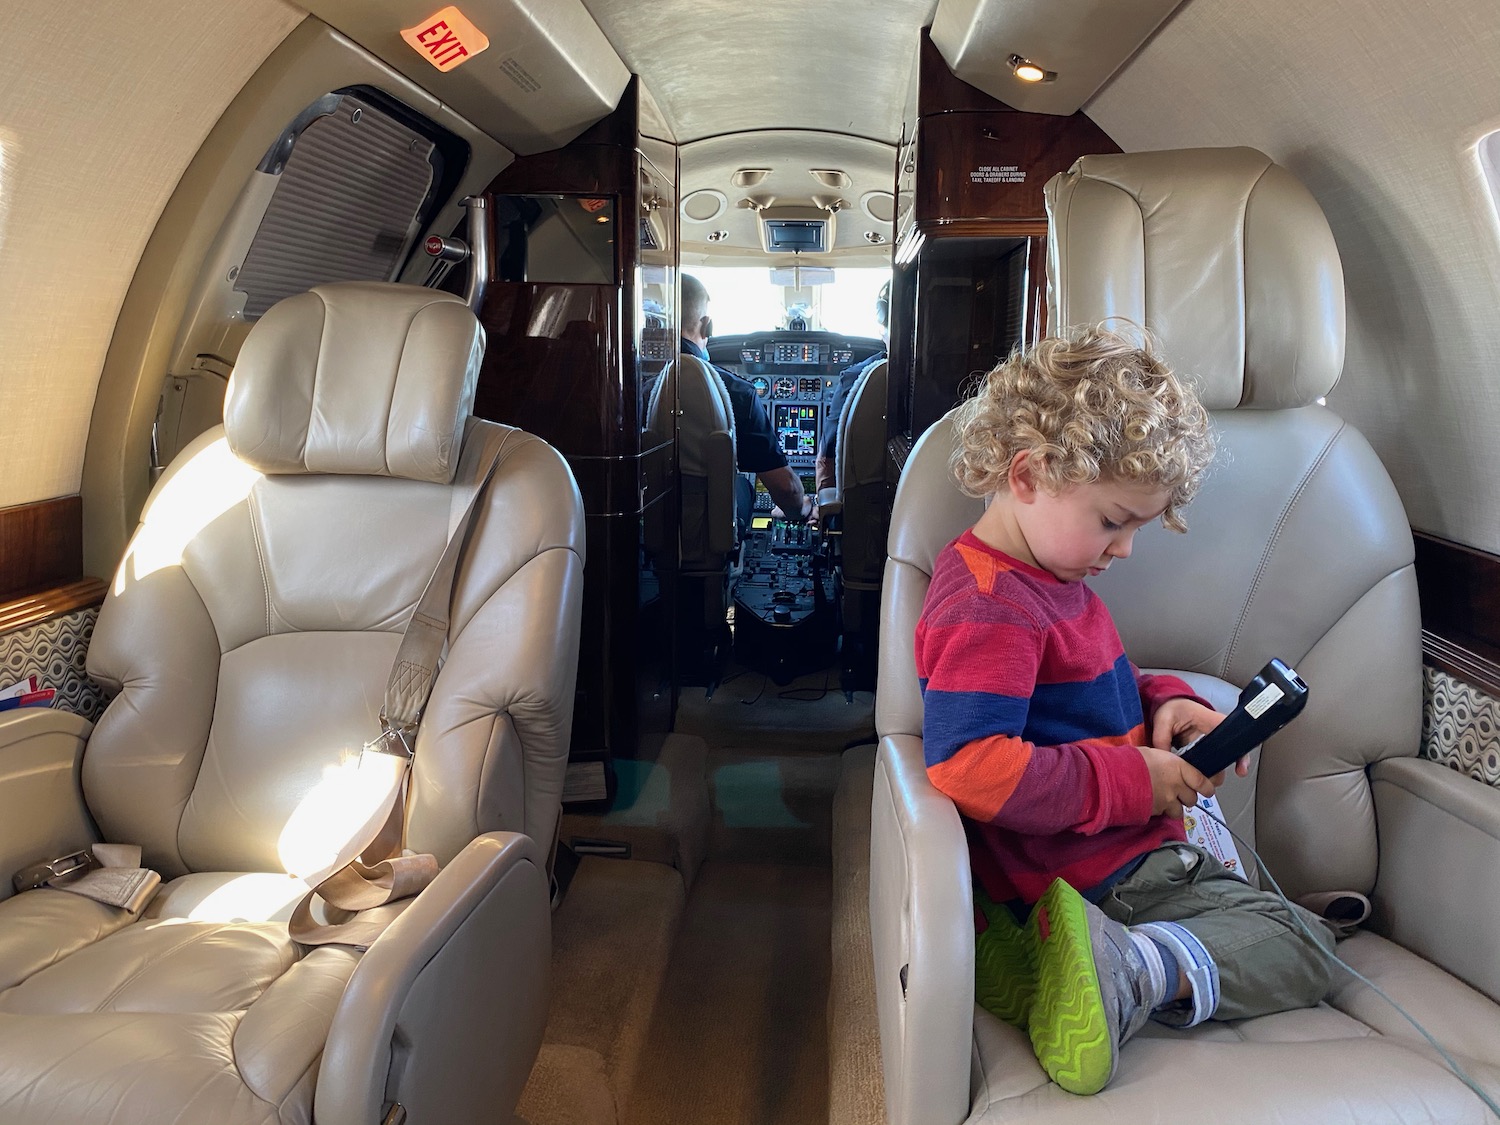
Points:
(1489, 161)
(750, 299)
(357, 177)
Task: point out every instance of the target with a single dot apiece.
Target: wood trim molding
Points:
(1459, 588)
(1465, 664)
(41, 546)
(35, 608)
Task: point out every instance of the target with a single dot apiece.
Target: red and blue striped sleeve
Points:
(1157, 687)
(977, 660)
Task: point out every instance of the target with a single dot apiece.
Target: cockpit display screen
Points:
(796, 353)
(797, 429)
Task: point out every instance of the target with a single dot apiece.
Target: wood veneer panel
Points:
(1459, 588)
(978, 159)
(33, 608)
(41, 545)
(987, 166)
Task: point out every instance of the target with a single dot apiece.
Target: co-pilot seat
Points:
(250, 632)
(1298, 548)
(856, 509)
(708, 541)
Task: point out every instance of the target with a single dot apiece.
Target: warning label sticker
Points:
(998, 174)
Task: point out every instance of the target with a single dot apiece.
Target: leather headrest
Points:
(704, 407)
(1222, 254)
(360, 378)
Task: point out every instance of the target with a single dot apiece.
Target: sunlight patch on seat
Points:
(340, 815)
(195, 495)
(249, 898)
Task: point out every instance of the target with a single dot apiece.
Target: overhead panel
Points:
(733, 185)
(1078, 44)
(547, 74)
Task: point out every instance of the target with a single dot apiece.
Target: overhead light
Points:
(874, 237)
(602, 219)
(717, 235)
(1028, 71)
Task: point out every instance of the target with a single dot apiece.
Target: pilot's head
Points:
(696, 323)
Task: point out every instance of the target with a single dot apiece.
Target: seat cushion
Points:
(1317, 1064)
(173, 1017)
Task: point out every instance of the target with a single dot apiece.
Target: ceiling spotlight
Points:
(717, 235)
(1028, 71)
(874, 237)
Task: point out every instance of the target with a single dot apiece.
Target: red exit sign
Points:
(447, 39)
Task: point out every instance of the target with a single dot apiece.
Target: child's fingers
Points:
(1196, 783)
(1161, 731)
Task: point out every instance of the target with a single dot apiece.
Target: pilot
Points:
(826, 471)
(756, 449)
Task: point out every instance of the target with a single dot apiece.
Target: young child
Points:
(1057, 750)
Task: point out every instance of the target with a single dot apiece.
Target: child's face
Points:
(1080, 531)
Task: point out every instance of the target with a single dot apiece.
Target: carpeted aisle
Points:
(725, 1023)
(740, 1034)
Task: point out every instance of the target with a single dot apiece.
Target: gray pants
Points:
(1266, 962)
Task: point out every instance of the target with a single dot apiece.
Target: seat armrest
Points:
(922, 935)
(830, 496)
(1438, 891)
(41, 761)
(446, 1008)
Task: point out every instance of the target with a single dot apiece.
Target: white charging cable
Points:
(1449, 1060)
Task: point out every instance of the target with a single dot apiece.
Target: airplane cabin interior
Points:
(453, 671)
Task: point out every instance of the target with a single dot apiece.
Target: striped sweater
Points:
(1031, 718)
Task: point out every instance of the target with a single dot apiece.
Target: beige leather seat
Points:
(250, 631)
(856, 507)
(706, 460)
(708, 539)
(1298, 548)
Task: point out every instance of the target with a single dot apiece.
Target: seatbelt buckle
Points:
(71, 866)
(395, 740)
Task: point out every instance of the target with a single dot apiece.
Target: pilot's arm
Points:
(758, 451)
(786, 490)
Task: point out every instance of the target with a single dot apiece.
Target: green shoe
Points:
(1069, 1028)
(1004, 972)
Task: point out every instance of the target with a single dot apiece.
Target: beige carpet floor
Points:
(808, 715)
(740, 1035)
(725, 1023)
(610, 943)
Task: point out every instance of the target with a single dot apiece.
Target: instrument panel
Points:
(795, 376)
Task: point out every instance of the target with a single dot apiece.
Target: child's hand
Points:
(1174, 783)
(1179, 721)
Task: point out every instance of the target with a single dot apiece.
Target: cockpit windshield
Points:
(754, 298)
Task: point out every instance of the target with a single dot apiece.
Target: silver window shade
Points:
(346, 207)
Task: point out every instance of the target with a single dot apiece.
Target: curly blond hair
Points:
(1094, 404)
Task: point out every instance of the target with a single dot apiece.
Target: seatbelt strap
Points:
(371, 870)
(107, 873)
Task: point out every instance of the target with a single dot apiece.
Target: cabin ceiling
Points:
(1377, 108)
(724, 66)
